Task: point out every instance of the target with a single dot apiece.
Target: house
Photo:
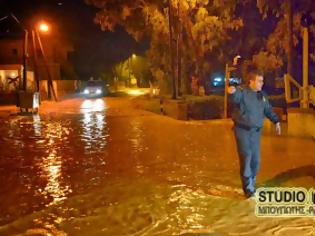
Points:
(55, 65)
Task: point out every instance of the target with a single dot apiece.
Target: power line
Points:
(3, 18)
(15, 18)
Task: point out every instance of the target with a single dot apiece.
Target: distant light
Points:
(218, 79)
(233, 80)
(133, 81)
(43, 27)
(235, 59)
(60, 3)
(134, 55)
(156, 91)
(135, 92)
(13, 75)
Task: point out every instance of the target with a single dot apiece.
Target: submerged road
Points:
(100, 167)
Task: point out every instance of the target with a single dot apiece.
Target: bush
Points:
(198, 108)
(147, 103)
(203, 108)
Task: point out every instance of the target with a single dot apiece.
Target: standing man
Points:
(251, 108)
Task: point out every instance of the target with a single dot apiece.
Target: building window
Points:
(14, 51)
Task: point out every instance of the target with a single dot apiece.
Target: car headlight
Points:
(98, 91)
(86, 91)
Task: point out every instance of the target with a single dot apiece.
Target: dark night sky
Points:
(94, 49)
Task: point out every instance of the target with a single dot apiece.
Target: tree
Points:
(140, 69)
(200, 25)
(283, 41)
(121, 71)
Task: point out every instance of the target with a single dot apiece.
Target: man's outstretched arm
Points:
(272, 116)
(235, 94)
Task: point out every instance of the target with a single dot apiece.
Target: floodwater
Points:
(99, 167)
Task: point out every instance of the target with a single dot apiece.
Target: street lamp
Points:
(26, 101)
(43, 27)
(133, 56)
(25, 43)
(40, 27)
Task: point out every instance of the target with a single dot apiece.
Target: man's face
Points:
(258, 83)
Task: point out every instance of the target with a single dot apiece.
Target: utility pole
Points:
(170, 22)
(290, 37)
(35, 60)
(227, 80)
(129, 76)
(179, 51)
(50, 86)
(305, 99)
(25, 44)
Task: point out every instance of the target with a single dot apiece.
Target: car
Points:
(220, 81)
(94, 88)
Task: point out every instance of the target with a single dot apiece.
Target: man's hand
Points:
(231, 89)
(278, 128)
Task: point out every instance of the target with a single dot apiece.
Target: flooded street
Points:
(99, 167)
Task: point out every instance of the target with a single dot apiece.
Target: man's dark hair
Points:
(252, 72)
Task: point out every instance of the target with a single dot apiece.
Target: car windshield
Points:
(94, 83)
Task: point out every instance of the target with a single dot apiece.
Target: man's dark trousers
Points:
(248, 147)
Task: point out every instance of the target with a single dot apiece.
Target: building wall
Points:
(62, 88)
(54, 71)
(56, 51)
(301, 122)
(11, 51)
(11, 79)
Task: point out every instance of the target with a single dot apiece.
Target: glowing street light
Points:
(44, 27)
(133, 56)
(13, 74)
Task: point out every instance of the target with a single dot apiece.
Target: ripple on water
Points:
(45, 152)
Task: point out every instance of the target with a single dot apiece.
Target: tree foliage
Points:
(212, 31)
(277, 44)
(205, 27)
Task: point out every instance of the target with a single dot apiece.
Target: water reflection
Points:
(93, 105)
(52, 170)
(189, 207)
(94, 126)
(37, 125)
(51, 165)
(136, 135)
(136, 138)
